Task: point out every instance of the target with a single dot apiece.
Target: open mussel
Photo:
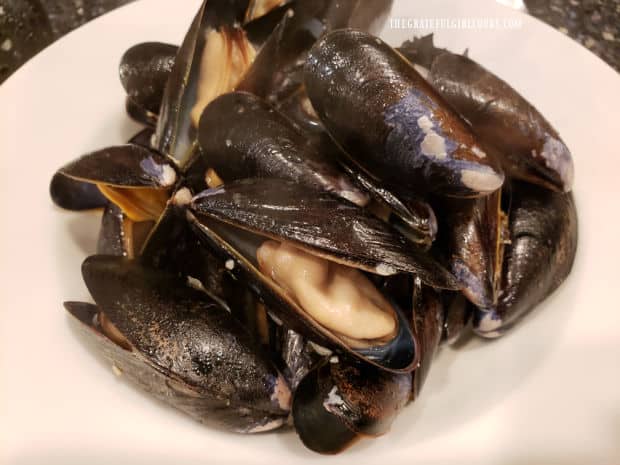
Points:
(181, 346)
(305, 253)
(528, 146)
(391, 122)
(241, 136)
(215, 54)
(540, 255)
(134, 177)
(339, 402)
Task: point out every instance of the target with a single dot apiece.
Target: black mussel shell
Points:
(391, 121)
(119, 235)
(413, 217)
(236, 219)
(139, 114)
(134, 177)
(472, 236)
(144, 72)
(528, 147)
(216, 20)
(242, 137)
(427, 323)
(129, 165)
(320, 223)
(457, 317)
(539, 257)
(72, 194)
(194, 355)
(337, 402)
(143, 138)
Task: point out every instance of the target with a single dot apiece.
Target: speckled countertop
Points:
(27, 26)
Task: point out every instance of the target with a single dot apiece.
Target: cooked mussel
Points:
(540, 255)
(391, 122)
(134, 177)
(305, 252)
(241, 136)
(214, 55)
(528, 146)
(181, 346)
(339, 402)
(144, 71)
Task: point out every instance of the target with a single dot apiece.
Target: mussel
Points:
(539, 257)
(305, 251)
(472, 236)
(144, 72)
(528, 146)
(181, 346)
(214, 56)
(339, 402)
(135, 178)
(391, 122)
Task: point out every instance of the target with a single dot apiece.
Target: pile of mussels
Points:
(310, 214)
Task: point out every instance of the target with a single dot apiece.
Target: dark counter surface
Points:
(27, 26)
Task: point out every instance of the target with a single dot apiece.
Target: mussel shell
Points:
(472, 234)
(243, 137)
(391, 121)
(543, 244)
(399, 355)
(529, 148)
(277, 72)
(72, 194)
(320, 223)
(144, 138)
(298, 358)
(175, 134)
(129, 165)
(139, 114)
(457, 317)
(337, 402)
(144, 72)
(119, 235)
(414, 217)
(260, 28)
(427, 324)
(215, 371)
(421, 50)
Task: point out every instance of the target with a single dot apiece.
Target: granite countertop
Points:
(27, 26)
